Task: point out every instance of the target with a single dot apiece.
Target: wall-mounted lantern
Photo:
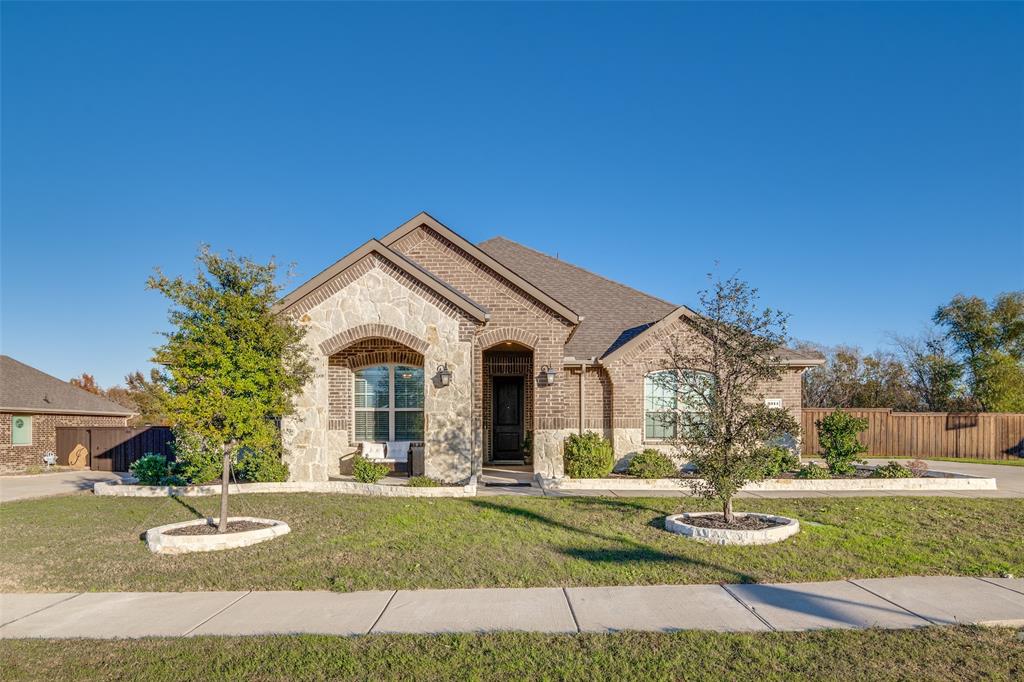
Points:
(547, 375)
(444, 375)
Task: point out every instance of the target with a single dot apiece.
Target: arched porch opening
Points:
(507, 403)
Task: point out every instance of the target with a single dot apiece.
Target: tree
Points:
(989, 341)
(935, 377)
(851, 379)
(717, 374)
(231, 364)
(87, 382)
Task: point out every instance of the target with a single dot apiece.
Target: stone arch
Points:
(375, 330)
(493, 337)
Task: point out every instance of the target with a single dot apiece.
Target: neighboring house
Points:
(33, 404)
(478, 351)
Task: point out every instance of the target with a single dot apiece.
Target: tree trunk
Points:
(726, 509)
(222, 527)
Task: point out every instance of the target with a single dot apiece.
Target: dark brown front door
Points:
(508, 418)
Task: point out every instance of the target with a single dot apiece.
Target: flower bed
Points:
(126, 489)
(933, 480)
(771, 529)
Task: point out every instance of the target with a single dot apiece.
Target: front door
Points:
(508, 418)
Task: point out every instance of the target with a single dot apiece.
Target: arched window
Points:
(388, 403)
(669, 396)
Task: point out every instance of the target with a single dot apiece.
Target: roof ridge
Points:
(577, 267)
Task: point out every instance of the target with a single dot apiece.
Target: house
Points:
(482, 353)
(33, 404)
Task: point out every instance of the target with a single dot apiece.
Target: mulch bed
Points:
(207, 529)
(739, 522)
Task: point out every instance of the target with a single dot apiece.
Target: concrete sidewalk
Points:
(884, 602)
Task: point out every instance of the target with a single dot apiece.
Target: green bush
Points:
(588, 456)
(261, 466)
(151, 469)
(422, 482)
(367, 471)
(778, 460)
(198, 461)
(892, 470)
(837, 434)
(652, 464)
(812, 470)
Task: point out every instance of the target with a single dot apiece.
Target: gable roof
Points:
(613, 313)
(616, 315)
(420, 274)
(512, 274)
(26, 389)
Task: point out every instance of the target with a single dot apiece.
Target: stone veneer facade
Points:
(44, 436)
(374, 311)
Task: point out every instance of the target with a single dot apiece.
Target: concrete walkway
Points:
(27, 486)
(885, 602)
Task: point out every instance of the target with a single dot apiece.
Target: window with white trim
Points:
(669, 396)
(21, 429)
(388, 403)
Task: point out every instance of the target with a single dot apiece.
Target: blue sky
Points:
(860, 164)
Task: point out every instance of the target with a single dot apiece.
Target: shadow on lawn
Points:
(633, 551)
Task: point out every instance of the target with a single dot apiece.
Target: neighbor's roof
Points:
(26, 389)
(612, 312)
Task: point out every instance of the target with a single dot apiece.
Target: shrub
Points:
(812, 470)
(918, 467)
(422, 482)
(652, 464)
(151, 469)
(837, 433)
(261, 466)
(367, 471)
(198, 461)
(778, 460)
(588, 456)
(892, 470)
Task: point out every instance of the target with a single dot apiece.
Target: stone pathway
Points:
(884, 602)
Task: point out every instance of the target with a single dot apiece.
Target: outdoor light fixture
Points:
(444, 375)
(547, 375)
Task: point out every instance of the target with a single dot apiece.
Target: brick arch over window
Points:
(376, 351)
(493, 337)
(376, 330)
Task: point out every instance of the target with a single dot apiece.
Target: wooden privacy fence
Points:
(111, 448)
(928, 434)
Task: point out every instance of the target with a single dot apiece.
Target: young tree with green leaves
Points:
(990, 342)
(716, 376)
(232, 365)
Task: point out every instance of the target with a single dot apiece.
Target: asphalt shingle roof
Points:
(26, 389)
(612, 312)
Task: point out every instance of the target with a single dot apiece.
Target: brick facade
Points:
(44, 437)
(373, 312)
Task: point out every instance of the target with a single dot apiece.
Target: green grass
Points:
(926, 654)
(344, 543)
(1014, 462)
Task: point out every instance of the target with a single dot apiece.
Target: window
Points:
(667, 396)
(388, 403)
(21, 429)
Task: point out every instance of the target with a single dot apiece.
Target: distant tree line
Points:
(146, 397)
(970, 360)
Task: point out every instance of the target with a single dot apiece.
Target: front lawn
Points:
(343, 543)
(930, 653)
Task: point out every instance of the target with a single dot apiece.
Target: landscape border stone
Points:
(159, 542)
(127, 489)
(676, 523)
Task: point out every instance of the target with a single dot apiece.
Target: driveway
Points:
(45, 485)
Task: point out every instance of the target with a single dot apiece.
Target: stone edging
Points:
(161, 543)
(948, 481)
(120, 489)
(723, 536)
